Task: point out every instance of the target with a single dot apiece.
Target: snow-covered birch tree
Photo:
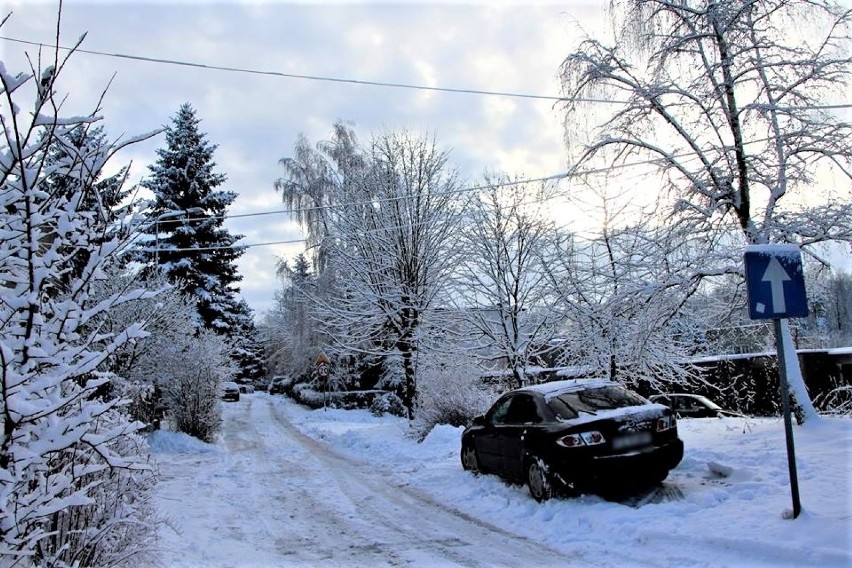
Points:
(734, 104)
(501, 285)
(732, 101)
(395, 236)
(382, 219)
(311, 184)
(74, 479)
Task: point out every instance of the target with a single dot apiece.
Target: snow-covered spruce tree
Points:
(194, 251)
(247, 346)
(104, 197)
(733, 109)
(74, 477)
(290, 336)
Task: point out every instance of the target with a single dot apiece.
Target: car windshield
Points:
(570, 405)
(708, 403)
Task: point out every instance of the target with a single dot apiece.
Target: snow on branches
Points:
(66, 440)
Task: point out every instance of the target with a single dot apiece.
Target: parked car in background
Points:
(577, 435)
(246, 388)
(280, 384)
(230, 391)
(693, 406)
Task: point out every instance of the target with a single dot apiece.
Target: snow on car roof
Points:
(554, 388)
(677, 394)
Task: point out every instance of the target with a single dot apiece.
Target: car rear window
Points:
(570, 405)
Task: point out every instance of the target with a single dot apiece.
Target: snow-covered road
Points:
(275, 497)
(287, 486)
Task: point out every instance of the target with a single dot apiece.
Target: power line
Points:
(508, 183)
(362, 82)
(387, 84)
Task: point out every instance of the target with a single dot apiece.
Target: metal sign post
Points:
(788, 421)
(776, 290)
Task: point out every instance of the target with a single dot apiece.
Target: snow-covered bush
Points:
(146, 364)
(838, 401)
(74, 477)
(145, 404)
(450, 393)
(191, 391)
(304, 393)
(114, 528)
(387, 403)
(175, 365)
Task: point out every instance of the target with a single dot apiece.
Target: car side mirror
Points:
(479, 420)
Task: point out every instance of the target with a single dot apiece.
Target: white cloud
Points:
(255, 119)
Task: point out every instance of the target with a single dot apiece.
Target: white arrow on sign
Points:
(776, 276)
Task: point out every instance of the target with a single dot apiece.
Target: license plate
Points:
(631, 440)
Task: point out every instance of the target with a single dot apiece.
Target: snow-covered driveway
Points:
(271, 496)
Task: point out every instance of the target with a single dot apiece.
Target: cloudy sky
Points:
(159, 52)
(256, 118)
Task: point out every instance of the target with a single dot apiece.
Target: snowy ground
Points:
(367, 494)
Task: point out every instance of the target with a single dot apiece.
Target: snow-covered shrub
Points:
(145, 402)
(191, 391)
(109, 530)
(450, 393)
(304, 393)
(74, 477)
(838, 401)
(147, 363)
(387, 403)
(393, 373)
(175, 365)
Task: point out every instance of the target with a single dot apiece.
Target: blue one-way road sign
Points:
(775, 282)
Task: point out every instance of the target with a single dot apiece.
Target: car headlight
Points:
(592, 438)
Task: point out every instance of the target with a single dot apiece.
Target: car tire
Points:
(539, 480)
(469, 460)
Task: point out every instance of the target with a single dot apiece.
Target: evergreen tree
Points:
(193, 250)
(102, 197)
(248, 350)
(292, 338)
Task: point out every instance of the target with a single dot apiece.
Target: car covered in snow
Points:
(280, 384)
(230, 391)
(693, 406)
(574, 436)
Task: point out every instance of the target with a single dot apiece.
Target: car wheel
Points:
(539, 480)
(468, 459)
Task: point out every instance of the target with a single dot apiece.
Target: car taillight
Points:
(665, 423)
(592, 438)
